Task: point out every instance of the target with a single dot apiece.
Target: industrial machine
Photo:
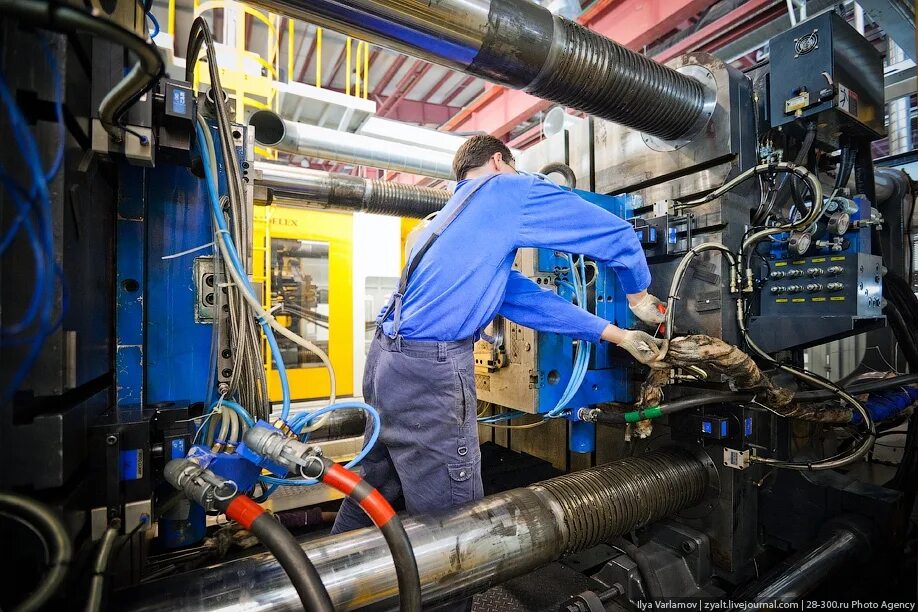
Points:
(137, 318)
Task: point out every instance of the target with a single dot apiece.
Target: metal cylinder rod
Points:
(810, 569)
(271, 130)
(460, 552)
(309, 188)
(520, 44)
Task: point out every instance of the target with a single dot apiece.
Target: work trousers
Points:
(427, 453)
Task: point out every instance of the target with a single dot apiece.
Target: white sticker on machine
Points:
(847, 100)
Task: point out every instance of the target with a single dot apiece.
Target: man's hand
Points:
(642, 346)
(647, 308)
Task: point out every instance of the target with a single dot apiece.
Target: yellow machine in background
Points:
(304, 261)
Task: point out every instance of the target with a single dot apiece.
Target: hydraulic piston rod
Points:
(460, 552)
(316, 188)
(520, 44)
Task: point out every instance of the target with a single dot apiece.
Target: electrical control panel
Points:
(826, 70)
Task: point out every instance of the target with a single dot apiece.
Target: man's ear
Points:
(495, 161)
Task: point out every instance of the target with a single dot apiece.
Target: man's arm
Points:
(553, 218)
(526, 303)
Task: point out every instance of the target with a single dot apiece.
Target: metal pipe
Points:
(519, 44)
(294, 186)
(810, 569)
(463, 551)
(271, 130)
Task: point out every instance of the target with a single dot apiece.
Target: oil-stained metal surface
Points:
(463, 551)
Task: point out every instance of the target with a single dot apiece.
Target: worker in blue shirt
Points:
(419, 371)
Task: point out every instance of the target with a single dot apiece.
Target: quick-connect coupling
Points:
(199, 484)
(280, 450)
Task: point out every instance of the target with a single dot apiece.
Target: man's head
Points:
(481, 155)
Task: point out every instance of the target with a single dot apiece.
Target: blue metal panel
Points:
(178, 349)
(130, 287)
(607, 378)
(582, 437)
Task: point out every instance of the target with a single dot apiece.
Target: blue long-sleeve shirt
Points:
(466, 276)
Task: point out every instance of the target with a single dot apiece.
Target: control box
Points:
(847, 284)
(826, 71)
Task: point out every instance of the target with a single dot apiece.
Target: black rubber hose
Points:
(55, 539)
(60, 17)
(383, 516)
(878, 384)
(99, 568)
(563, 169)
(290, 556)
(288, 552)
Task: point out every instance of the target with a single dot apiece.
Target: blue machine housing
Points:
(608, 377)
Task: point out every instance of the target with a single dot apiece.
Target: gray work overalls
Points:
(427, 452)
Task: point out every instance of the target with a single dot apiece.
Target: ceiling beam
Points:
(458, 89)
(405, 85)
(389, 74)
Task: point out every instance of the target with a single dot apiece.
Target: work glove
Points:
(642, 346)
(649, 310)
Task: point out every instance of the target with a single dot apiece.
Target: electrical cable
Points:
(56, 541)
(99, 568)
(266, 320)
(36, 199)
(288, 552)
(248, 372)
(236, 271)
(836, 461)
(66, 18)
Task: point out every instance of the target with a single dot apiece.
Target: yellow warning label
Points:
(818, 259)
(839, 258)
(798, 300)
(822, 299)
(781, 301)
(780, 264)
(838, 298)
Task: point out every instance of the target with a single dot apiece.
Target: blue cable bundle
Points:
(240, 269)
(33, 207)
(582, 360)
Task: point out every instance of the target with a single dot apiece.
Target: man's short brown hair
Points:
(475, 152)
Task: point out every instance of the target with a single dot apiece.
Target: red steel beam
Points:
(430, 92)
(306, 62)
(711, 35)
(632, 23)
(337, 66)
(389, 74)
(421, 112)
(458, 89)
(414, 75)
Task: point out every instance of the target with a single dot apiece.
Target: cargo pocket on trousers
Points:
(463, 398)
(463, 482)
